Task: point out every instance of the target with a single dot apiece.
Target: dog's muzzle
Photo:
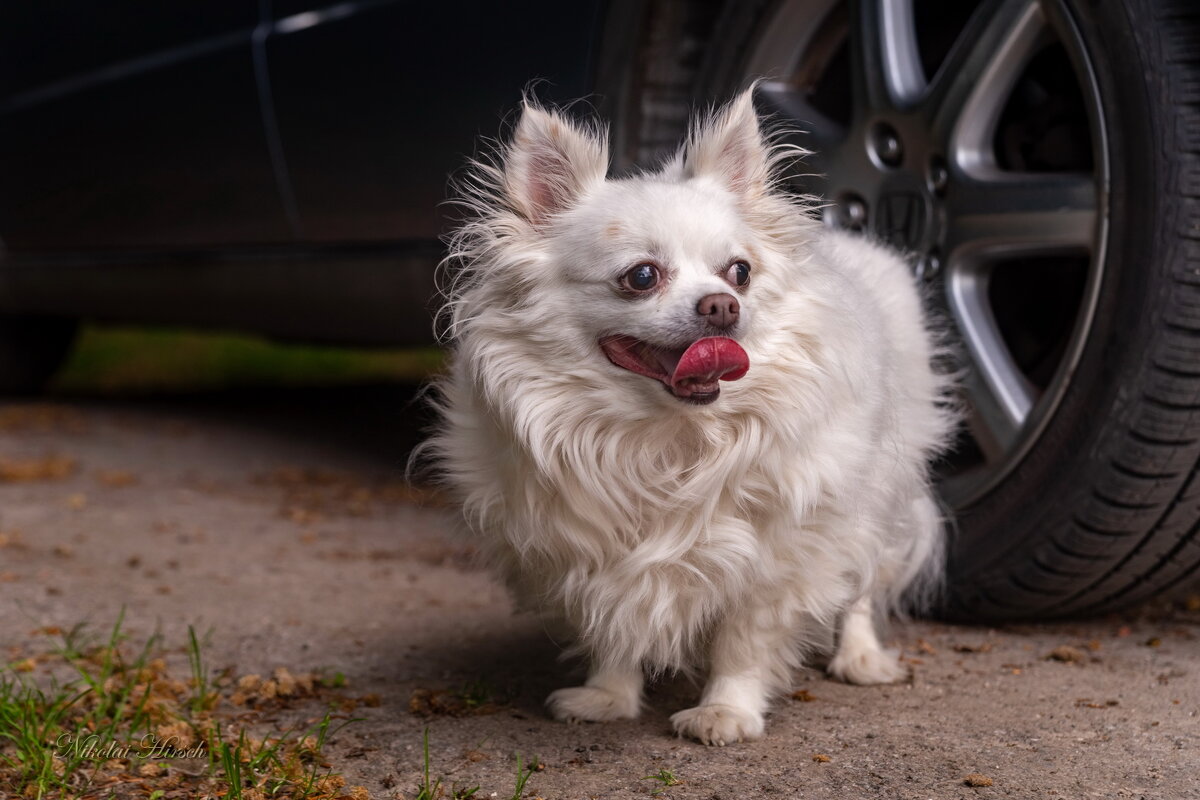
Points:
(692, 373)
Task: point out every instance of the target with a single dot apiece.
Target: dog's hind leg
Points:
(909, 575)
(860, 657)
(610, 692)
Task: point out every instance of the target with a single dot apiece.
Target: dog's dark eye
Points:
(738, 273)
(641, 278)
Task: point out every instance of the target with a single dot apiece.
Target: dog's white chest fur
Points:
(668, 533)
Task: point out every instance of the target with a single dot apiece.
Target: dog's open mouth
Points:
(692, 373)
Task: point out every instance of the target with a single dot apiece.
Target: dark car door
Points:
(276, 167)
(377, 102)
(130, 125)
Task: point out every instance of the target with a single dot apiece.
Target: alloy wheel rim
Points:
(915, 164)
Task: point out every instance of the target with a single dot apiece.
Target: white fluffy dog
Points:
(675, 522)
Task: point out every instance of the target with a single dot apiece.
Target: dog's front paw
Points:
(718, 724)
(591, 704)
(867, 666)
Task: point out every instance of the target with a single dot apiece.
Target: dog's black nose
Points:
(719, 310)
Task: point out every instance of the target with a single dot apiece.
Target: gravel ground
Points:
(279, 522)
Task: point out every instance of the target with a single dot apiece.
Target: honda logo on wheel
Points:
(902, 219)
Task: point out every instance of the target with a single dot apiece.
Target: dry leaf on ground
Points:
(46, 468)
(1067, 655)
(116, 478)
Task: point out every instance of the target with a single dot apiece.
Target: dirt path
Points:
(280, 523)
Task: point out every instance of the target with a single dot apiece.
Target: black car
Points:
(279, 167)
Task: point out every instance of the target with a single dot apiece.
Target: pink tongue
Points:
(709, 360)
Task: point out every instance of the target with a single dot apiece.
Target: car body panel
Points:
(376, 108)
(325, 124)
(272, 167)
(151, 144)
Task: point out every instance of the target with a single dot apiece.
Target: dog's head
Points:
(658, 278)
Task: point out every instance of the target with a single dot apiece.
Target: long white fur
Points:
(721, 538)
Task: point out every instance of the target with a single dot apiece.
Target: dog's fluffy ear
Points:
(551, 163)
(729, 147)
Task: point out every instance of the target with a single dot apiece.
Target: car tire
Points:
(32, 347)
(1102, 512)
(1097, 509)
